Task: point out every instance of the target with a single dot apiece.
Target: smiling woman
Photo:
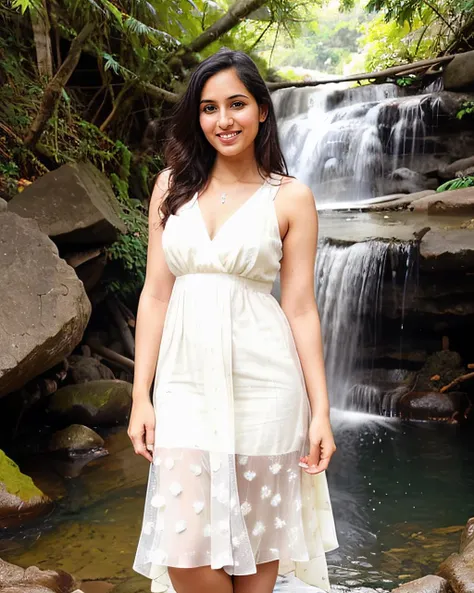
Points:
(238, 437)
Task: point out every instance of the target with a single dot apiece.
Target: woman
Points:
(242, 437)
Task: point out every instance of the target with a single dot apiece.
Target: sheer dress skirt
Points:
(232, 416)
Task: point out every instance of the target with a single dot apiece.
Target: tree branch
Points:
(53, 90)
(238, 11)
(404, 69)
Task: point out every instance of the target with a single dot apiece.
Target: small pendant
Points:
(223, 197)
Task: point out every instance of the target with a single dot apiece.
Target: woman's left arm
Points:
(299, 305)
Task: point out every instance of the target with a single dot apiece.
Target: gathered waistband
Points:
(257, 285)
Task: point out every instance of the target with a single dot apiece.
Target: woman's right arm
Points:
(151, 313)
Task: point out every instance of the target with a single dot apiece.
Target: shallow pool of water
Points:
(401, 495)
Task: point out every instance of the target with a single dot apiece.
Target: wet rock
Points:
(459, 73)
(432, 405)
(447, 250)
(72, 204)
(405, 180)
(44, 308)
(467, 536)
(457, 201)
(75, 438)
(19, 496)
(428, 584)
(14, 579)
(458, 569)
(94, 403)
(445, 364)
(457, 169)
(397, 201)
(88, 368)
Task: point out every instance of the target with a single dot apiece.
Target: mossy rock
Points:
(95, 403)
(76, 437)
(19, 496)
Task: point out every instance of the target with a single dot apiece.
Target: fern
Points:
(458, 183)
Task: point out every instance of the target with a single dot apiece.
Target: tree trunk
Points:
(42, 38)
(52, 92)
(238, 11)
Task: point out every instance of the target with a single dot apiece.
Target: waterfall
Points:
(345, 143)
(350, 285)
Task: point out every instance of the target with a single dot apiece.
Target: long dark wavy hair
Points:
(188, 154)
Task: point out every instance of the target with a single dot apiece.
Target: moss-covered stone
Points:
(93, 403)
(15, 482)
(75, 438)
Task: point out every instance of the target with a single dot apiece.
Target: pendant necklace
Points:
(223, 198)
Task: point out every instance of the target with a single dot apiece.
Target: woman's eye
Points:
(211, 108)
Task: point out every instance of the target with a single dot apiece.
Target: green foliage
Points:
(467, 110)
(414, 29)
(387, 43)
(458, 183)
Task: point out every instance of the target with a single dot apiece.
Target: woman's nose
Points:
(225, 121)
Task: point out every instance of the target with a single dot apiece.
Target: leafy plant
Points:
(467, 109)
(458, 183)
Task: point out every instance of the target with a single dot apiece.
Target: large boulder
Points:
(44, 309)
(428, 584)
(14, 579)
(459, 168)
(87, 368)
(458, 569)
(75, 438)
(94, 403)
(404, 180)
(459, 73)
(73, 204)
(457, 201)
(19, 496)
(434, 406)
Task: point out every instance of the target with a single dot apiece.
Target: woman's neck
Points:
(231, 170)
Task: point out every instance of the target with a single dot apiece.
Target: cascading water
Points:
(350, 282)
(345, 143)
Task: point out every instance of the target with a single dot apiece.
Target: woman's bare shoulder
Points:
(295, 191)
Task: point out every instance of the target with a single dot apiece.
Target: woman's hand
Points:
(141, 428)
(322, 446)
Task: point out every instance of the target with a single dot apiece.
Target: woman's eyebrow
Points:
(228, 98)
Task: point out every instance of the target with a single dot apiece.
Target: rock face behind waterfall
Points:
(44, 308)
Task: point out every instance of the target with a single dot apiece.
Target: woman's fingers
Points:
(139, 445)
(150, 438)
(318, 458)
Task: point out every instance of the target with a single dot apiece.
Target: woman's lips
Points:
(230, 140)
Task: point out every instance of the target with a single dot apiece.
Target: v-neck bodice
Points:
(247, 244)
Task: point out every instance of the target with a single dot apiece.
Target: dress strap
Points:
(274, 184)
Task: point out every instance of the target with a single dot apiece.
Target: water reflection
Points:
(401, 494)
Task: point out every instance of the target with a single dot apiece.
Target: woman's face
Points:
(229, 115)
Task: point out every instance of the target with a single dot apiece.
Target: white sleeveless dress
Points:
(232, 412)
